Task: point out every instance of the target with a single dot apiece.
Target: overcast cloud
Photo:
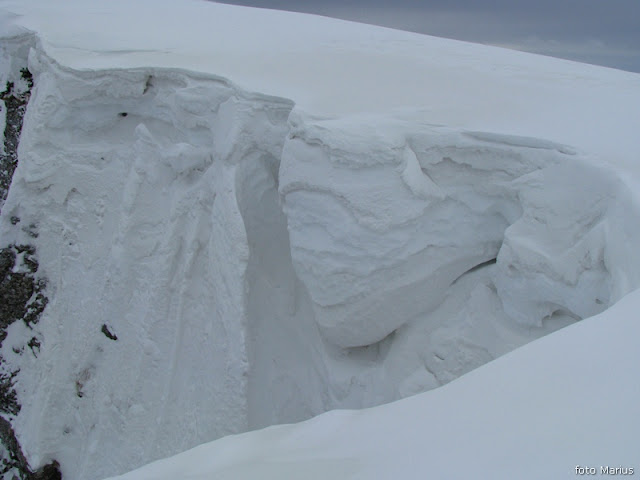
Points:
(603, 32)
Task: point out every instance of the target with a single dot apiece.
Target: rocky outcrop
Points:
(22, 289)
(15, 103)
(14, 465)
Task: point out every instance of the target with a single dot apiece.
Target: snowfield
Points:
(247, 217)
(563, 401)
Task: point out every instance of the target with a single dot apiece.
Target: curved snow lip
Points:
(384, 216)
(201, 172)
(314, 60)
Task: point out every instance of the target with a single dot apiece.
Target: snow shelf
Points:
(248, 217)
(332, 67)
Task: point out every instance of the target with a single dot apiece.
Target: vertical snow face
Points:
(130, 178)
(217, 263)
(288, 378)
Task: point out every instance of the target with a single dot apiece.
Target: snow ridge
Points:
(256, 265)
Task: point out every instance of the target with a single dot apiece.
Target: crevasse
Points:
(255, 265)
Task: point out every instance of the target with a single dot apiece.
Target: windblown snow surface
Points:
(245, 217)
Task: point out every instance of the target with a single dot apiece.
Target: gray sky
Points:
(603, 32)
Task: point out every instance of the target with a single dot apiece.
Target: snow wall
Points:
(217, 261)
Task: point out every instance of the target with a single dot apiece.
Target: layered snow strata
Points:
(219, 261)
(385, 216)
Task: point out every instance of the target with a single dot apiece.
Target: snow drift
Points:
(538, 412)
(227, 246)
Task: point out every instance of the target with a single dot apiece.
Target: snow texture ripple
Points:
(220, 259)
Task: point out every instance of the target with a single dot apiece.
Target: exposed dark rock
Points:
(34, 345)
(108, 332)
(21, 291)
(48, 472)
(26, 75)
(8, 398)
(21, 298)
(16, 460)
(15, 105)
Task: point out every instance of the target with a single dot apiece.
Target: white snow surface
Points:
(563, 401)
(281, 214)
(332, 67)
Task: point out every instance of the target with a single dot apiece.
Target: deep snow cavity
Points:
(219, 261)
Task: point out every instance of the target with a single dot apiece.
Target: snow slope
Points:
(333, 67)
(248, 217)
(563, 401)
